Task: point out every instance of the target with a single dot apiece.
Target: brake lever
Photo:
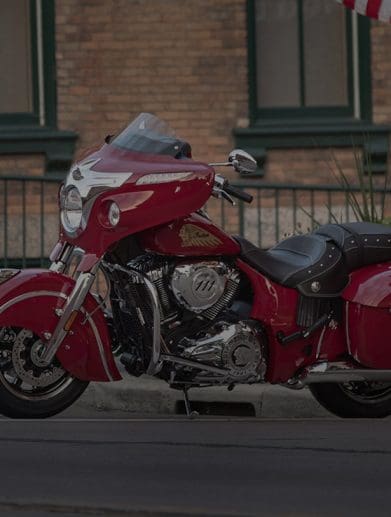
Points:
(229, 198)
(219, 193)
(218, 189)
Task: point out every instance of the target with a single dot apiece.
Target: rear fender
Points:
(370, 286)
(30, 298)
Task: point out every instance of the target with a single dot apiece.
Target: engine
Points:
(239, 348)
(204, 287)
(198, 319)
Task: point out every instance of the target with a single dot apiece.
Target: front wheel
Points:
(354, 399)
(28, 388)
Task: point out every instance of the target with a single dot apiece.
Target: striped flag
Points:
(379, 9)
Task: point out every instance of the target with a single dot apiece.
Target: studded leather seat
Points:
(319, 263)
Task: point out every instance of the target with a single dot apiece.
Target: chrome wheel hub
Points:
(26, 362)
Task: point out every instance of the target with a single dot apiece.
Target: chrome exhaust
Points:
(342, 372)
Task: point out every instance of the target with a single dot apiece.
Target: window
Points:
(16, 86)
(304, 60)
(28, 122)
(309, 80)
(26, 47)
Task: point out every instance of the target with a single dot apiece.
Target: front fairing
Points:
(149, 189)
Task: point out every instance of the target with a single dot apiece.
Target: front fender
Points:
(30, 298)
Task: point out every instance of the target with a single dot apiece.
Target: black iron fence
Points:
(29, 219)
(280, 210)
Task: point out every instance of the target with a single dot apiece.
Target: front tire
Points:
(15, 406)
(354, 399)
(29, 388)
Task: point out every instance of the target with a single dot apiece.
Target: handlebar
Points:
(238, 193)
(222, 189)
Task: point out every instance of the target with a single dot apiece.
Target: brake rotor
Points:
(26, 363)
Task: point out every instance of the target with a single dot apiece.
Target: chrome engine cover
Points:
(237, 347)
(198, 286)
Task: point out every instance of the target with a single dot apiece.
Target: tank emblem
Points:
(193, 235)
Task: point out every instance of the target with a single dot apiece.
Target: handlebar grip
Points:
(238, 193)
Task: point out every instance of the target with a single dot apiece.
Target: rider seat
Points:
(319, 263)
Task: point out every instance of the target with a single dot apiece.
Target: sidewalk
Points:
(149, 395)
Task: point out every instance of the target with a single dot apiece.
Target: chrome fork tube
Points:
(75, 301)
(61, 263)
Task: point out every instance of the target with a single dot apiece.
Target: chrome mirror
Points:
(242, 161)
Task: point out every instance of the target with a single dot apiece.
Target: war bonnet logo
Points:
(193, 235)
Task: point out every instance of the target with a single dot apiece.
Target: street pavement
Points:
(112, 463)
(149, 395)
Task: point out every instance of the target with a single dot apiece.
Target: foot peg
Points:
(305, 333)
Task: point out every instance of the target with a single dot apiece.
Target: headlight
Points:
(71, 209)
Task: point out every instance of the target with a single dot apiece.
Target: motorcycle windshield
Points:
(148, 134)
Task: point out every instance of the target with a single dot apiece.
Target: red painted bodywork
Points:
(142, 206)
(167, 239)
(275, 306)
(370, 286)
(368, 315)
(36, 294)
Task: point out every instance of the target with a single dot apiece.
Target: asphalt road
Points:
(115, 465)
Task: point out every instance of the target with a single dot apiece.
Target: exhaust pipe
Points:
(340, 372)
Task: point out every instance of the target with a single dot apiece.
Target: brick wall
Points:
(183, 60)
(381, 72)
(186, 61)
(32, 164)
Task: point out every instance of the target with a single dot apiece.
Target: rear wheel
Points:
(29, 388)
(354, 399)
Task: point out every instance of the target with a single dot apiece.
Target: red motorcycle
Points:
(186, 302)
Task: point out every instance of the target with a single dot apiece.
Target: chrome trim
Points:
(34, 294)
(66, 255)
(75, 301)
(193, 364)
(163, 177)
(343, 372)
(31, 294)
(99, 343)
(320, 342)
(57, 267)
(90, 182)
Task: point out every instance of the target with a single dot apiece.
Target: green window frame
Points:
(318, 127)
(36, 132)
(358, 81)
(42, 36)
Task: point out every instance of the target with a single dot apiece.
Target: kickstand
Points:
(191, 414)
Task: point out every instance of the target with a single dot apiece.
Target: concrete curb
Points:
(148, 395)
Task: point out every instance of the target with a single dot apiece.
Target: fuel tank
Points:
(368, 315)
(193, 236)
